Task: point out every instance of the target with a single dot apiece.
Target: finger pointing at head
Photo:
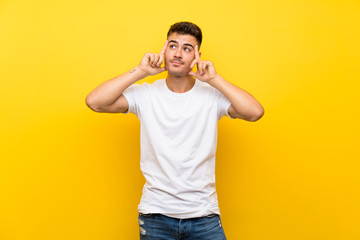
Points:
(164, 48)
(162, 54)
(197, 56)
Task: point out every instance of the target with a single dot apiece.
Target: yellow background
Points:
(67, 172)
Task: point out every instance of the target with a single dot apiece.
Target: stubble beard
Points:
(181, 73)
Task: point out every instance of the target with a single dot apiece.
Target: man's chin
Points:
(179, 73)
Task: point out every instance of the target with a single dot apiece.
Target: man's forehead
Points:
(182, 38)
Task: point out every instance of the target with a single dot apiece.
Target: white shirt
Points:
(178, 145)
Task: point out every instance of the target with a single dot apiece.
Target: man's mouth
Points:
(177, 62)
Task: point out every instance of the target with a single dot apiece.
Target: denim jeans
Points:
(160, 227)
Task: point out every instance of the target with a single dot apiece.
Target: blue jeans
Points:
(160, 227)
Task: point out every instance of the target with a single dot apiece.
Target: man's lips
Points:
(176, 62)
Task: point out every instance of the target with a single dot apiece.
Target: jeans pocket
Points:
(145, 215)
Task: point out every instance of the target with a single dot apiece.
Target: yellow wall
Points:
(67, 172)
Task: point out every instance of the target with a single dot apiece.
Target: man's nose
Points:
(178, 53)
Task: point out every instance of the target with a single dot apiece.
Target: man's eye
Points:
(187, 49)
(172, 46)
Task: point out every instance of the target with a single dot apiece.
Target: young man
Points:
(178, 117)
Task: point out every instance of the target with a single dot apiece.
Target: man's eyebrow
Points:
(186, 44)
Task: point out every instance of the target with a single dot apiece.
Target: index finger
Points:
(197, 52)
(164, 48)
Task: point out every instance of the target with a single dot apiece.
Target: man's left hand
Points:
(205, 69)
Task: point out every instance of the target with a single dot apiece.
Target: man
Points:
(178, 117)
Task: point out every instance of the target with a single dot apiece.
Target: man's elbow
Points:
(91, 104)
(259, 113)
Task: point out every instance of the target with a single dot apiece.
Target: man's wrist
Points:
(215, 80)
(139, 72)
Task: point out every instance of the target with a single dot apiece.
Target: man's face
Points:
(179, 54)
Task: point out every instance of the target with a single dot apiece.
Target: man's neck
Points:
(180, 84)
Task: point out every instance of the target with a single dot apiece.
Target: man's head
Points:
(186, 28)
(182, 40)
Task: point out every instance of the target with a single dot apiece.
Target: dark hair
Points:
(186, 28)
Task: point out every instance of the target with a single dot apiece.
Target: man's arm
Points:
(108, 97)
(243, 104)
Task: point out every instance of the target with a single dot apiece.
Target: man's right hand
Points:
(151, 62)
